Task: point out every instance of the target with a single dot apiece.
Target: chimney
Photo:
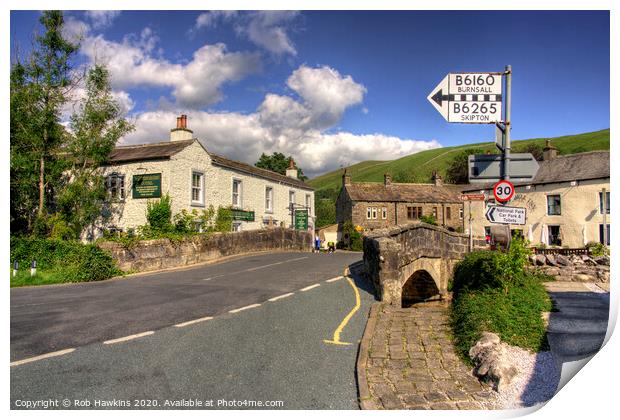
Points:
(291, 171)
(387, 179)
(549, 152)
(437, 180)
(181, 132)
(346, 178)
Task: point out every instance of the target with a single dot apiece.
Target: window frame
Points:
(268, 199)
(558, 206)
(309, 204)
(558, 237)
(368, 213)
(374, 213)
(600, 233)
(201, 201)
(239, 193)
(120, 192)
(600, 202)
(384, 213)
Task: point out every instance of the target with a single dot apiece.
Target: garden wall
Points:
(159, 254)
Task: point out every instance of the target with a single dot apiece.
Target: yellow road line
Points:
(336, 339)
(41, 357)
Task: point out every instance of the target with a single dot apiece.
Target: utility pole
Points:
(507, 127)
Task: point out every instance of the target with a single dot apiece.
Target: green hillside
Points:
(419, 166)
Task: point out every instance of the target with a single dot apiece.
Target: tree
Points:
(39, 88)
(277, 162)
(96, 126)
(325, 212)
(458, 169)
(535, 149)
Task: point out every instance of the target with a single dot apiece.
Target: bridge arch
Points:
(419, 287)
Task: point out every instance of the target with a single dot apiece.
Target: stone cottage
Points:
(374, 205)
(196, 178)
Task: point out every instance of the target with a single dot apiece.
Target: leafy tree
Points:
(325, 212)
(277, 162)
(535, 149)
(39, 89)
(96, 126)
(457, 172)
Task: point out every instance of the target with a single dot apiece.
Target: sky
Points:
(335, 88)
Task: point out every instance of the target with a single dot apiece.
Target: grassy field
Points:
(419, 167)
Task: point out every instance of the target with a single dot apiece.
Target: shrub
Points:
(223, 220)
(597, 249)
(71, 261)
(159, 213)
(429, 219)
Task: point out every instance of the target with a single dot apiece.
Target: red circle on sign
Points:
(503, 191)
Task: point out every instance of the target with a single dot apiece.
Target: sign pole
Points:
(507, 127)
(471, 237)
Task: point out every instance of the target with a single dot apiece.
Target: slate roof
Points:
(410, 193)
(577, 167)
(166, 149)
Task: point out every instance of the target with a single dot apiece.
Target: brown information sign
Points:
(146, 186)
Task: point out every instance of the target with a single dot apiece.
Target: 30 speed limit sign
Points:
(503, 191)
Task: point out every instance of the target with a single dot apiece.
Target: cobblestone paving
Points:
(412, 363)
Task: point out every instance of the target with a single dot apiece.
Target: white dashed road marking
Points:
(194, 321)
(273, 299)
(312, 286)
(334, 279)
(129, 337)
(41, 357)
(234, 311)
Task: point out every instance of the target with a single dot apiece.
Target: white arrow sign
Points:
(506, 215)
(470, 98)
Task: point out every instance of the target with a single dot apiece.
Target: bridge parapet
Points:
(403, 255)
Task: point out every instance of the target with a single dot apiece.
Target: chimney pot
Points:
(387, 179)
(550, 152)
(346, 178)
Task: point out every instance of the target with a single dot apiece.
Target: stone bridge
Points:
(414, 262)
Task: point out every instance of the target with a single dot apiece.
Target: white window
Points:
(198, 183)
(115, 186)
(236, 226)
(368, 212)
(236, 193)
(461, 213)
(384, 213)
(269, 199)
(309, 204)
(291, 198)
(374, 212)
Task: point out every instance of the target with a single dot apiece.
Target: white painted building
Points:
(195, 179)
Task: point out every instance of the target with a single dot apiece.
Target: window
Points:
(198, 196)
(600, 234)
(236, 226)
(448, 213)
(291, 200)
(309, 204)
(269, 199)
(115, 186)
(554, 205)
(461, 213)
(368, 213)
(384, 213)
(554, 235)
(600, 202)
(435, 212)
(414, 213)
(374, 212)
(236, 193)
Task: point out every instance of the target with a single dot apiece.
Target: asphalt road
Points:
(271, 352)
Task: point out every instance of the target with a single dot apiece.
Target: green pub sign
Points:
(301, 219)
(146, 186)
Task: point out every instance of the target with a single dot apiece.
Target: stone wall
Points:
(392, 256)
(159, 254)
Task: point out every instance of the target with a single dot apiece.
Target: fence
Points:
(561, 251)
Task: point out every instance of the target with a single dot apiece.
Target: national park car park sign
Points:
(146, 186)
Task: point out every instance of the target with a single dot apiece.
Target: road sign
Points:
(506, 215)
(470, 98)
(488, 168)
(472, 197)
(503, 191)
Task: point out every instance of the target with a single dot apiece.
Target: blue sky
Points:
(334, 88)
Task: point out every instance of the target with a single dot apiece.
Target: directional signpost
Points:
(488, 168)
(506, 215)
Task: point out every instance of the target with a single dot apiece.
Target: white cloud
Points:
(74, 29)
(267, 29)
(194, 85)
(101, 19)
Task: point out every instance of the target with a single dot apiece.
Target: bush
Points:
(159, 213)
(597, 249)
(71, 261)
(356, 242)
(429, 219)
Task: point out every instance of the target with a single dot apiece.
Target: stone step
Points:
(581, 312)
(578, 300)
(569, 347)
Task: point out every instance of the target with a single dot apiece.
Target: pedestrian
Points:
(317, 244)
(330, 247)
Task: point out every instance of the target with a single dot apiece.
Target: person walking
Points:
(317, 244)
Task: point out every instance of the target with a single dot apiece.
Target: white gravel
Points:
(536, 382)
